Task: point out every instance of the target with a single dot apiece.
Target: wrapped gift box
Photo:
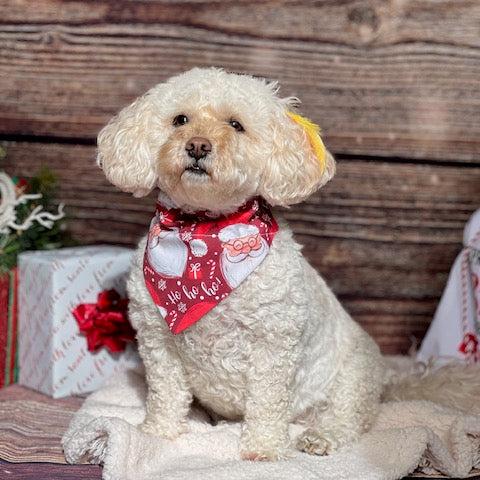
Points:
(53, 354)
(8, 328)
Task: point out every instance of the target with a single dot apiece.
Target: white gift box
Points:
(455, 330)
(53, 354)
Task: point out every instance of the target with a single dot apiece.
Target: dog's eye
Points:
(236, 125)
(180, 120)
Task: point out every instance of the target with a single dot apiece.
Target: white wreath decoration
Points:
(9, 202)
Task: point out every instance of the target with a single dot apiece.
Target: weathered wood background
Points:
(395, 84)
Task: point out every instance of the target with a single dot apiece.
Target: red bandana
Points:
(193, 261)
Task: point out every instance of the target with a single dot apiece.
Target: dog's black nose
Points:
(198, 147)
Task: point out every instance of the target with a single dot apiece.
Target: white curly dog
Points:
(280, 348)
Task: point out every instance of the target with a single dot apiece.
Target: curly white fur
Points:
(272, 352)
(280, 347)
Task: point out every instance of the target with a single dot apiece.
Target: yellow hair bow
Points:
(312, 131)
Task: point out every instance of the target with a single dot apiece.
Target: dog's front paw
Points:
(264, 449)
(161, 428)
(314, 443)
(265, 454)
(259, 456)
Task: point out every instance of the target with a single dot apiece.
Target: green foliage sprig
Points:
(37, 236)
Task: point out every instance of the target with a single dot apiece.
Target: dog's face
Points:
(210, 140)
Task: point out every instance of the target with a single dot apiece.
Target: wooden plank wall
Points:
(395, 85)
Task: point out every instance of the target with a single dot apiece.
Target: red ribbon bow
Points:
(105, 323)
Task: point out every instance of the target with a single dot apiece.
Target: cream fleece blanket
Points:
(406, 435)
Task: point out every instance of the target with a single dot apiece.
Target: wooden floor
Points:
(48, 471)
(45, 471)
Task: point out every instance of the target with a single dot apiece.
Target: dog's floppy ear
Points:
(298, 164)
(126, 149)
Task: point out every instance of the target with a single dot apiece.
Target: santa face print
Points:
(243, 251)
(167, 253)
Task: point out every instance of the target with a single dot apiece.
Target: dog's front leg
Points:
(268, 403)
(168, 394)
